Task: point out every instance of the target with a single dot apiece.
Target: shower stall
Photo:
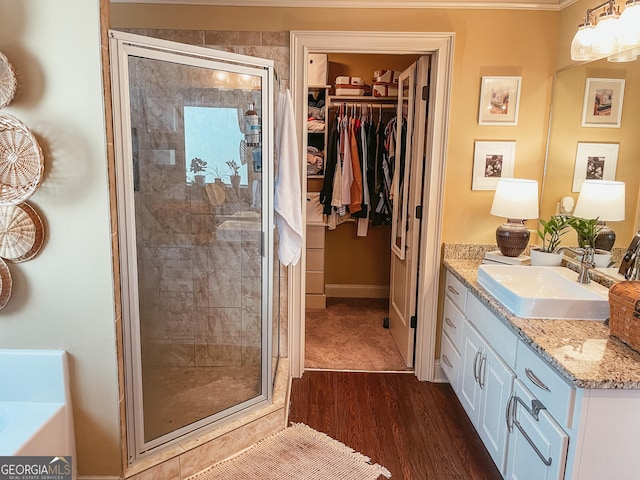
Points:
(194, 182)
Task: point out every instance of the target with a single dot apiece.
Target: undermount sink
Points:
(544, 292)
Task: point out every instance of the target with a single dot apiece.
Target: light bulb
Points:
(629, 26)
(581, 44)
(605, 40)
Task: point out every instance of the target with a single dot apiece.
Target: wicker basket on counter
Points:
(624, 310)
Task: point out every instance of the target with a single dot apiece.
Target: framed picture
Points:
(603, 98)
(492, 161)
(594, 161)
(499, 100)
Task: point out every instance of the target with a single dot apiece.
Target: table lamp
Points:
(516, 199)
(604, 200)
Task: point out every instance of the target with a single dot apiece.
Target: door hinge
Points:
(425, 92)
(414, 321)
(419, 211)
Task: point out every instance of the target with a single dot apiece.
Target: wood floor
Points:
(417, 430)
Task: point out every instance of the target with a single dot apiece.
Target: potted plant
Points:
(235, 175)
(550, 234)
(198, 167)
(588, 231)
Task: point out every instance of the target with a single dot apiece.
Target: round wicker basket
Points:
(6, 283)
(21, 232)
(21, 161)
(8, 82)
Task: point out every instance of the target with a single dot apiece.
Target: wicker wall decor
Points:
(21, 171)
(21, 161)
(6, 283)
(8, 83)
(21, 232)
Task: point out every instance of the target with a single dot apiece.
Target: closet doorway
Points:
(361, 298)
(417, 300)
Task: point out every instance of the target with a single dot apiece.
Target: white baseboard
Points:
(338, 290)
(438, 373)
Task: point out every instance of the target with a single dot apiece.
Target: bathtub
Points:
(35, 405)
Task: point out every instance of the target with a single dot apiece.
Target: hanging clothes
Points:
(357, 180)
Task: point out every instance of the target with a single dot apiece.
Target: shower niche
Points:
(194, 182)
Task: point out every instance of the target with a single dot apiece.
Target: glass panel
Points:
(198, 221)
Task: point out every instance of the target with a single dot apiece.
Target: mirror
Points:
(566, 132)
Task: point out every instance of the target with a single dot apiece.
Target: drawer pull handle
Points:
(476, 370)
(452, 290)
(450, 323)
(534, 411)
(536, 381)
(446, 361)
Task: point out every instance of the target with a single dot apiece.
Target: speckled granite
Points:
(580, 350)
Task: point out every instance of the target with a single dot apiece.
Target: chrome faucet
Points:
(586, 255)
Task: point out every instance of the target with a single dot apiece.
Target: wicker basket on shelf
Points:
(8, 82)
(21, 161)
(624, 309)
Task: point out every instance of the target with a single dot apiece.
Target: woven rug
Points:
(296, 453)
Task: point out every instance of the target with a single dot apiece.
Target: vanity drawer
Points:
(546, 384)
(452, 323)
(456, 291)
(450, 362)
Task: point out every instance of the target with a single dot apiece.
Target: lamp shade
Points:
(601, 199)
(581, 46)
(516, 198)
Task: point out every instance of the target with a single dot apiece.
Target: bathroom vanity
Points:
(550, 398)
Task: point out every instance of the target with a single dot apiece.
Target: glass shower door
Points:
(194, 227)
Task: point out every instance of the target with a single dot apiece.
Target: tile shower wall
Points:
(207, 289)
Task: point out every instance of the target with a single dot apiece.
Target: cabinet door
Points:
(469, 389)
(496, 382)
(537, 446)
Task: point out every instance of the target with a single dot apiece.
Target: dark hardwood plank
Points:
(418, 430)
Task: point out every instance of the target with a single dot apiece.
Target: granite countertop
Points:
(580, 350)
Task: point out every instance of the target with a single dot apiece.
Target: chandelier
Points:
(610, 34)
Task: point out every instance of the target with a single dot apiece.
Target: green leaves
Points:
(552, 231)
(587, 230)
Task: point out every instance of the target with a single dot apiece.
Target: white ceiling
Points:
(497, 4)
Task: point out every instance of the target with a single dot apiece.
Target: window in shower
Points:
(196, 256)
(213, 136)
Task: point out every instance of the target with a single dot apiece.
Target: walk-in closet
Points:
(351, 135)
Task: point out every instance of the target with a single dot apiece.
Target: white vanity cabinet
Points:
(483, 379)
(535, 424)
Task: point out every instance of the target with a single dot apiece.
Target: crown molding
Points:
(553, 5)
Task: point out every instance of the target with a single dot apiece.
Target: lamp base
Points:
(606, 238)
(512, 237)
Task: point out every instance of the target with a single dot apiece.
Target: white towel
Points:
(287, 200)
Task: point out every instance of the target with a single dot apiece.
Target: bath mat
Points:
(296, 453)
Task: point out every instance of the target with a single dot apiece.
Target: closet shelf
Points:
(336, 99)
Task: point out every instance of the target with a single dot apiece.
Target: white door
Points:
(496, 381)
(407, 197)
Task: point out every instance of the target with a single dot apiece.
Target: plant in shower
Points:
(233, 165)
(198, 165)
(552, 231)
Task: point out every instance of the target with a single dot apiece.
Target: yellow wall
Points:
(488, 42)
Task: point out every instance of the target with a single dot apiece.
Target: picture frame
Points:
(492, 161)
(499, 100)
(603, 100)
(594, 161)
